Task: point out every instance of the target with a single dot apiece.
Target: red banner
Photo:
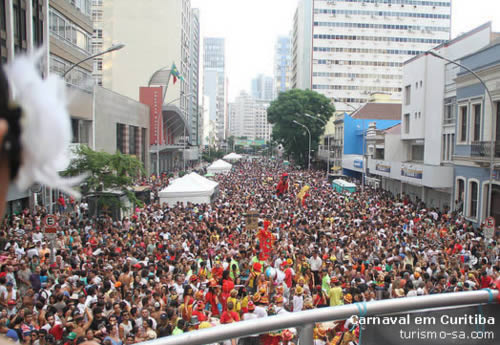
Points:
(153, 97)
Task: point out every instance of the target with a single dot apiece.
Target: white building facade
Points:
(422, 167)
(359, 46)
(248, 118)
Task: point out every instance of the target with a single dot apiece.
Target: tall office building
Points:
(214, 84)
(97, 40)
(348, 49)
(282, 64)
(248, 118)
(194, 77)
(156, 34)
(263, 88)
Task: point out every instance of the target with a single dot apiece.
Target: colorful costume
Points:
(282, 187)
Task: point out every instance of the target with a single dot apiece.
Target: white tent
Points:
(187, 189)
(203, 180)
(219, 167)
(233, 156)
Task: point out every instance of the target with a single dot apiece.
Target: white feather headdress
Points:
(45, 125)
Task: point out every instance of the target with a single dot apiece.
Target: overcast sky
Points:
(252, 26)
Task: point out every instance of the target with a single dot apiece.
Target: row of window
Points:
(399, 2)
(382, 13)
(357, 75)
(82, 6)
(77, 76)
(354, 87)
(469, 208)
(368, 51)
(357, 63)
(68, 31)
(474, 123)
(378, 38)
(382, 26)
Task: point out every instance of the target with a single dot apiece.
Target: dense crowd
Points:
(168, 270)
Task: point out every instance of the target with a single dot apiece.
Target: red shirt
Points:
(57, 332)
(486, 282)
(201, 316)
(229, 317)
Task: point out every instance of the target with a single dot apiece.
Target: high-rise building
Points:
(157, 35)
(214, 83)
(348, 49)
(282, 64)
(97, 39)
(248, 118)
(194, 77)
(263, 88)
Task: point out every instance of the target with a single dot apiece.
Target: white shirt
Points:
(315, 263)
(260, 312)
(298, 303)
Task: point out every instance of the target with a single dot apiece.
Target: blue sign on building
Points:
(358, 163)
(383, 168)
(413, 173)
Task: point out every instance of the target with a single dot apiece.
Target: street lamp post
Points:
(328, 145)
(492, 105)
(109, 50)
(309, 151)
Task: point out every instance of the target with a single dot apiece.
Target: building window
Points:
(120, 136)
(417, 152)
(449, 114)
(473, 198)
(143, 146)
(407, 94)
(463, 124)
(460, 190)
(498, 124)
(407, 123)
(477, 123)
(132, 140)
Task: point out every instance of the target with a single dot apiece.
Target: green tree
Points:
(106, 172)
(290, 106)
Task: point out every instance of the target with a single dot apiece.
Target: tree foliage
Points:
(106, 171)
(291, 105)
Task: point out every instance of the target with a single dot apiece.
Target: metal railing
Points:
(482, 149)
(449, 120)
(305, 321)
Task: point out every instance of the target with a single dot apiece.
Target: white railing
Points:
(304, 321)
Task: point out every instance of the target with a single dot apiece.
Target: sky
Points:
(251, 28)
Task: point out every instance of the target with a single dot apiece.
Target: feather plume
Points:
(45, 125)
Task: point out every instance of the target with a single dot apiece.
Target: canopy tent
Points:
(219, 167)
(233, 156)
(188, 189)
(204, 181)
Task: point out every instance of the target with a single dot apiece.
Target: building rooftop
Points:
(394, 129)
(378, 111)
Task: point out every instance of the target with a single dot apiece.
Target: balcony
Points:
(449, 121)
(335, 152)
(483, 149)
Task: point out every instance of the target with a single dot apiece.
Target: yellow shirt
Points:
(336, 296)
(236, 304)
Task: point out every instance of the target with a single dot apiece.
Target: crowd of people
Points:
(168, 270)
